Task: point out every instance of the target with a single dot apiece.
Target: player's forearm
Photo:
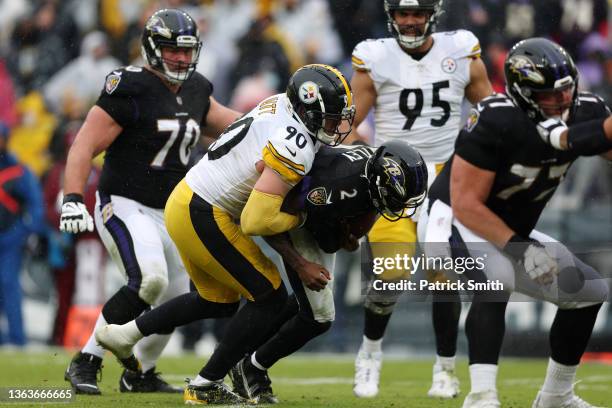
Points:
(78, 167)
(586, 138)
(262, 215)
(480, 219)
(281, 243)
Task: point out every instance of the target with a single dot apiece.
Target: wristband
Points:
(73, 198)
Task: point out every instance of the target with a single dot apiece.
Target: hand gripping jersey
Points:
(151, 154)
(419, 101)
(270, 132)
(334, 191)
(501, 138)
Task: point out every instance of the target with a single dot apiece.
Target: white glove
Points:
(539, 264)
(550, 131)
(75, 218)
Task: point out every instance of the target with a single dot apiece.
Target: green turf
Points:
(305, 381)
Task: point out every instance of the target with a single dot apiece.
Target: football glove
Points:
(75, 218)
(550, 131)
(533, 256)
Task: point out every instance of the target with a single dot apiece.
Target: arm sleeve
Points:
(262, 215)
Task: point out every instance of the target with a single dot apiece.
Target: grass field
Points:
(304, 381)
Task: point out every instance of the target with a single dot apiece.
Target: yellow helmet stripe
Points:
(347, 89)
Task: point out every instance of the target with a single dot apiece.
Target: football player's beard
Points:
(412, 30)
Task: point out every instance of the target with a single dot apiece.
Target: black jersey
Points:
(501, 138)
(334, 191)
(151, 154)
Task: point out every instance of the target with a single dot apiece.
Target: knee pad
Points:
(379, 308)
(152, 286)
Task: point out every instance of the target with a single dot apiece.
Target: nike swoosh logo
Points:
(127, 386)
(289, 150)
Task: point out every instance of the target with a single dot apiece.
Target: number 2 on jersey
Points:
(413, 112)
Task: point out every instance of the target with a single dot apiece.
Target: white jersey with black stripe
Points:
(271, 132)
(419, 101)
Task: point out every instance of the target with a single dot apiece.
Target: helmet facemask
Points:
(171, 29)
(388, 189)
(541, 79)
(175, 72)
(424, 30)
(330, 128)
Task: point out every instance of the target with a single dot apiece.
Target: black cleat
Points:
(214, 393)
(252, 383)
(149, 381)
(82, 373)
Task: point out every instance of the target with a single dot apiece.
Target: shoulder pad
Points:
(496, 109)
(291, 157)
(366, 53)
(463, 43)
(125, 81)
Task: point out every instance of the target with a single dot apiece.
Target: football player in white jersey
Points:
(236, 191)
(416, 82)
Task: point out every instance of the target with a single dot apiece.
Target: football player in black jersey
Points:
(147, 119)
(341, 195)
(504, 171)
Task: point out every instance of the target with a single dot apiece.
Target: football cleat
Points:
(214, 393)
(112, 339)
(82, 373)
(149, 381)
(567, 400)
(252, 383)
(445, 385)
(484, 399)
(367, 374)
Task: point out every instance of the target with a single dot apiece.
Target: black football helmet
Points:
(397, 175)
(434, 7)
(321, 98)
(539, 65)
(171, 28)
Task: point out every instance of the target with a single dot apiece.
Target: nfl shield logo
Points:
(112, 81)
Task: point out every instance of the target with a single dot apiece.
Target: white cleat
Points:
(567, 400)
(484, 399)
(445, 385)
(367, 374)
(111, 337)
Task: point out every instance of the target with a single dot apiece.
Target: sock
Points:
(123, 306)
(483, 377)
(256, 364)
(559, 378)
(375, 324)
(291, 337)
(199, 381)
(245, 328)
(371, 346)
(570, 333)
(149, 349)
(181, 310)
(91, 346)
(485, 317)
(131, 332)
(444, 364)
(446, 310)
(290, 310)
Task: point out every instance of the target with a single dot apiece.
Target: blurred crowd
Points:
(55, 54)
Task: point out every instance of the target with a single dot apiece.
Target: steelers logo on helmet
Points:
(309, 92)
